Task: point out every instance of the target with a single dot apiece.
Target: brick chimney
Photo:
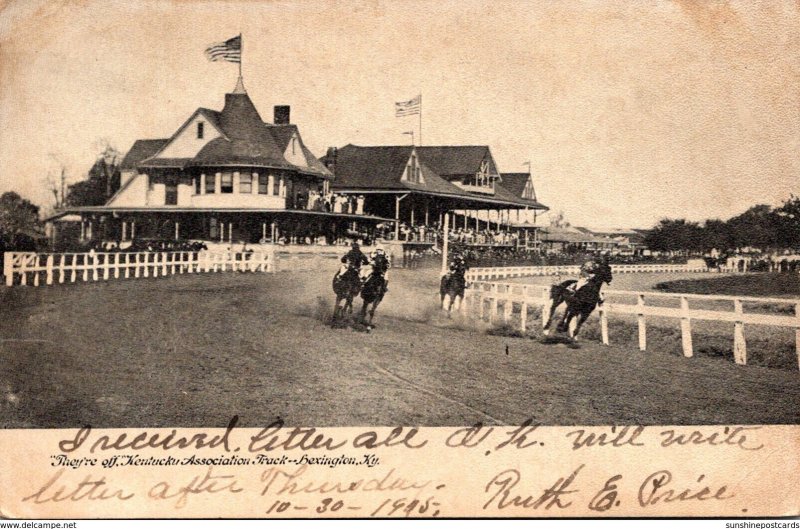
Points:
(281, 115)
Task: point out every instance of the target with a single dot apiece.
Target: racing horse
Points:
(346, 285)
(580, 302)
(373, 290)
(453, 285)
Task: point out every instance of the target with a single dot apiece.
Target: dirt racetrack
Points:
(194, 350)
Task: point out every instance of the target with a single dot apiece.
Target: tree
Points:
(18, 216)
(756, 227)
(675, 235)
(788, 223)
(101, 182)
(559, 220)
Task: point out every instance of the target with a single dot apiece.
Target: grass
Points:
(766, 285)
(193, 350)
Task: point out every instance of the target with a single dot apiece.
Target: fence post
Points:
(508, 305)
(493, 305)
(604, 324)
(523, 311)
(480, 303)
(739, 344)
(36, 270)
(95, 274)
(8, 268)
(686, 328)
(545, 306)
(49, 269)
(642, 325)
(61, 263)
(106, 262)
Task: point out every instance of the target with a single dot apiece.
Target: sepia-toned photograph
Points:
(399, 214)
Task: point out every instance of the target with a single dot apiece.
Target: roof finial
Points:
(239, 87)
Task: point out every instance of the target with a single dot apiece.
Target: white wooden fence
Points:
(479, 294)
(502, 272)
(24, 268)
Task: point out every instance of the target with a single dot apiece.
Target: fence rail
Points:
(502, 272)
(26, 268)
(481, 293)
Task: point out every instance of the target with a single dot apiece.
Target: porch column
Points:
(133, 229)
(177, 230)
(202, 183)
(270, 183)
(477, 220)
(218, 183)
(412, 214)
(397, 218)
(124, 230)
(254, 183)
(426, 213)
(282, 188)
(230, 232)
(221, 231)
(89, 231)
(465, 219)
(263, 231)
(83, 230)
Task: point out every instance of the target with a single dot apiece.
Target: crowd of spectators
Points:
(329, 202)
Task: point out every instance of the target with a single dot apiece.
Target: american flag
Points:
(408, 108)
(230, 50)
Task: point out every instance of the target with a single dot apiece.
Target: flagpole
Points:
(420, 120)
(241, 54)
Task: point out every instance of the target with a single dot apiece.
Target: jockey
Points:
(380, 262)
(458, 264)
(354, 259)
(587, 272)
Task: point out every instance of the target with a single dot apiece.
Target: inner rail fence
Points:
(28, 268)
(498, 301)
(503, 272)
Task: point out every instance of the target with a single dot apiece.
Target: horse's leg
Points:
(363, 315)
(555, 300)
(336, 308)
(565, 319)
(578, 323)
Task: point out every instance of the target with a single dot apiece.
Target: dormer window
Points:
(294, 144)
(413, 171)
(200, 127)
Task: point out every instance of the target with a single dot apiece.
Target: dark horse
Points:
(346, 285)
(580, 302)
(453, 286)
(373, 291)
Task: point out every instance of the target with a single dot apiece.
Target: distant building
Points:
(416, 185)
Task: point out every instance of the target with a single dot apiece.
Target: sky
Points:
(629, 112)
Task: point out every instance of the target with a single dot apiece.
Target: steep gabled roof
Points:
(246, 141)
(453, 160)
(371, 167)
(515, 182)
(141, 150)
(381, 168)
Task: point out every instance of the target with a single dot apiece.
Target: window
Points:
(226, 184)
(171, 194)
(245, 183)
(276, 186)
(263, 184)
(197, 182)
(294, 143)
(211, 183)
(200, 127)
